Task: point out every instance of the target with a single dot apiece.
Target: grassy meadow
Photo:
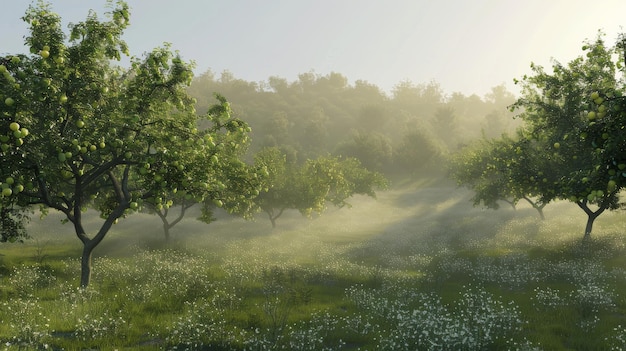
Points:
(417, 269)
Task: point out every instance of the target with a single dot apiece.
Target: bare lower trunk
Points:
(273, 220)
(85, 264)
(273, 217)
(537, 206)
(166, 231)
(589, 227)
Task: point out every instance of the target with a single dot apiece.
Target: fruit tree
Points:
(79, 130)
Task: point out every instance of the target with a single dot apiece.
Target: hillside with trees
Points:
(402, 133)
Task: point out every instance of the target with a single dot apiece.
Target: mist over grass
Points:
(416, 268)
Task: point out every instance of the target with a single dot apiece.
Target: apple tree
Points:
(576, 114)
(235, 183)
(310, 186)
(499, 170)
(78, 130)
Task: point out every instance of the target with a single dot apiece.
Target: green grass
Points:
(379, 276)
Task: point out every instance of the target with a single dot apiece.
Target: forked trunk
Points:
(591, 217)
(272, 217)
(537, 205)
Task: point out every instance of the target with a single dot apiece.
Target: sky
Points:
(466, 46)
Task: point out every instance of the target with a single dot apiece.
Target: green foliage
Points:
(308, 187)
(320, 114)
(79, 130)
(575, 114)
(459, 277)
(374, 150)
(417, 153)
(571, 146)
(13, 220)
(503, 169)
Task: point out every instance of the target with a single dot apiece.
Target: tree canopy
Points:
(79, 130)
(572, 145)
(308, 187)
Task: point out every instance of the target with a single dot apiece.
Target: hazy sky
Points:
(466, 46)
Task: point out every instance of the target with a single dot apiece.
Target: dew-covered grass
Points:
(417, 269)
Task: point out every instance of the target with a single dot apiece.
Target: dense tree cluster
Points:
(402, 133)
(80, 132)
(572, 145)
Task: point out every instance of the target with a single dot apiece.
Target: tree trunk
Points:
(537, 207)
(85, 264)
(540, 210)
(589, 227)
(273, 220)
(591, 217)
(166, 231)
(512, 203)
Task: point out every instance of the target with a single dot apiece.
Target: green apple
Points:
(7, 192)
(63, 99)
(591, 115)
(24, 132)
(61, 157)
(621, 166)
(93, 147)
(134, 205)
(19, 188)
(19, 142)
(218, 203)
(9, 101)
(44, 53)
(10, 180)
(79, 123)
(557, 145)
(59, 60)
(611, 185)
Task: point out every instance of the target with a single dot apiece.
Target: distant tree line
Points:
(406, 132)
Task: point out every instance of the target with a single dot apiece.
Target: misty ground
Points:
(435, 214)
(517, 280)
